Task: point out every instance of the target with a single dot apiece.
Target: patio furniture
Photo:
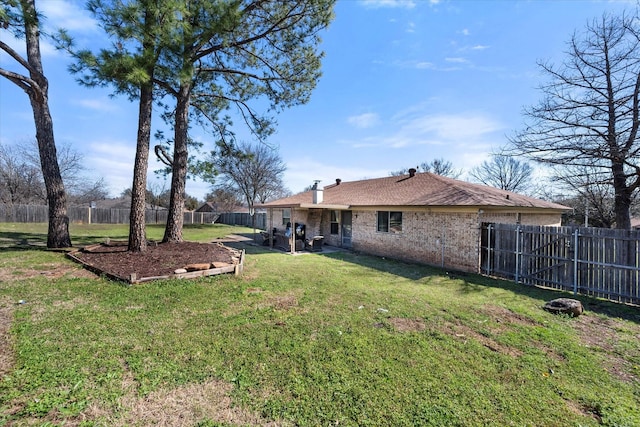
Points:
(281, 241)
(314, 244)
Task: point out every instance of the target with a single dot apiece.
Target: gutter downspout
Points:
(271, 228)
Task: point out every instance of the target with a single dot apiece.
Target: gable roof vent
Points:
(338, 181)
(412, 172)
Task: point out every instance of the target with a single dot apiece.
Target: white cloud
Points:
(297, 176)
(364, 121)
(376, 4)
(448, 127)
(465, 32)
(480, 47)
(424, 65)
(464, 134)
(457, 60)
(112, 160)
(57, 14)
(96, 104)
(67, 15)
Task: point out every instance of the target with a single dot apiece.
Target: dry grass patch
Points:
(602, 333)
(502, 315)
(186, 406)
(6, 346)
(407, 325)
(583, 410)
(282, 302)
(51, 272)
(465, 333)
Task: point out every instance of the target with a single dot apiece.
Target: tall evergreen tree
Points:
(21, 17)
(140, 31)
(228, 54)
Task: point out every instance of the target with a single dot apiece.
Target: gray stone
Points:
(569, 306)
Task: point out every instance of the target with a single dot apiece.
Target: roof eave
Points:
(304, 206)
(324, 206)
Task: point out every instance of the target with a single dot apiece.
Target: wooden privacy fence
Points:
(244, 219)
(598, 262)
(87, 215)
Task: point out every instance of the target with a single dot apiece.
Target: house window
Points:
(389, 222)
(335, 222)
(286, 216)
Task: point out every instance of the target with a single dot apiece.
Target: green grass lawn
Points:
(312, 340)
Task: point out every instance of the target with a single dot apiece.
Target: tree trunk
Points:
(58, 232)
(137, 228)
(622, 202)
(175, 221)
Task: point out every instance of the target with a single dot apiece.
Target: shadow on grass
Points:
(475, 283)
(14, 240)
(22, 240)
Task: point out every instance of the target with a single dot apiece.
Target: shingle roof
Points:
(421, 189)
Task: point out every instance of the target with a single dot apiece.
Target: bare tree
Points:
(256, 174)
(224, 199)
(19, 181)
(86, 191)
(589, 112)
(22, 18)
(504, 172)
(81, 187)
(440, 167)
(592, 199)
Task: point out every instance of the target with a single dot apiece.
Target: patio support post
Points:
(292, 237)
(271, 228)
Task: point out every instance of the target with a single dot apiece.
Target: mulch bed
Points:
(161, 259)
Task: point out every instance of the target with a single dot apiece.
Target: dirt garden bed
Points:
(160, 261)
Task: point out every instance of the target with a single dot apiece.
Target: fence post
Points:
(489, 248)
(517, 275)
(576, 234)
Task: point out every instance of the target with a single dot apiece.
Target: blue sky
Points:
(404, 82)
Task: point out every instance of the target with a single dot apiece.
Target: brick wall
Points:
(443, 239)
(299, 216)
(329, 239)
(314, 223)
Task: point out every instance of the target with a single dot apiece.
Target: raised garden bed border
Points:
(236, 269)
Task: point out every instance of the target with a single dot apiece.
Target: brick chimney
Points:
(317, 193)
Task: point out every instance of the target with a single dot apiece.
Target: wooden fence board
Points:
(87, 215)
(598, 262)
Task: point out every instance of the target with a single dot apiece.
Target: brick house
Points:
(419, 217)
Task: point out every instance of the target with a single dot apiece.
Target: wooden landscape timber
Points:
(188, 271)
